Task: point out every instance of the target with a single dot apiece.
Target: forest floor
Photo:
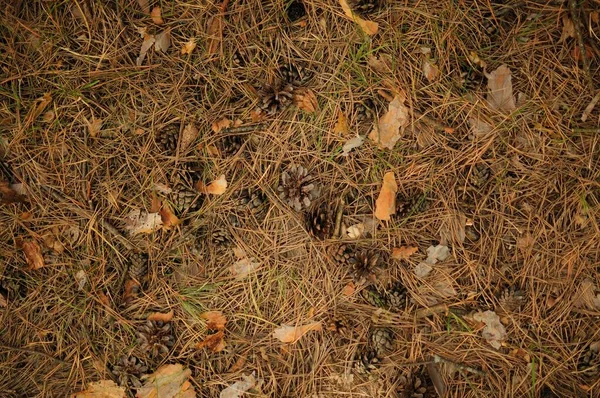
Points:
(300, 200)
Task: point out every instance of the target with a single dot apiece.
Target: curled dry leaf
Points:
(40, 104)
(217, 187)
(147, 44)
(188, 47)
(381, 64)
(423, 269)
(239, 388)
(430, 70)
(214, 342)
(341, 125)
(568, 29)
(141, 222)
(291, 334)
(221, 124)
(168, 218)
(161, 316)
(351, 144)
(500, 95)
(102, 389)
(81, 279)
(385, 205)
(156, 16)
(215, 320)
(437, 253)
(392, 124)
(369, 27)
(130, 291)
(493, 332)
(169, 381)
(163, 41)
(243, 267)
(48, 117)
(403, 252)
(306, 100)
(33, 255)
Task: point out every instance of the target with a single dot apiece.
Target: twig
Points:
(579, 36)
(337, 231)
(243, 129)
(461, 366)
(30, 351)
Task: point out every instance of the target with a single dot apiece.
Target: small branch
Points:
(460, 366)
(337, 231)
(243, 129)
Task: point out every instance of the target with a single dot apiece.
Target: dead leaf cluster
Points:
(215, 321)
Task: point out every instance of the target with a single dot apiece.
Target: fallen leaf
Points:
(161, 316)
(349, 289)
(493, 332)
(341, 125)
(381, 63)
(238, 365)
(369, 27)
(291, 334)
(214, 342)
(423, 269)
(568, 30)
(215, 320)
(3, 302)
(587, 295)
(48, 117)
(217, 187)
(130, 291)
(94, 126)
(147, 44)
(589, 109)
(33, 254)
(144, 5)
(221, 124)
(156, 16)
(355, 231)
(163, 41)
(403, 252)
(141, 222)
(8, 194)
(479, 127)
(437, 253)
(169, 381)
(385, 205)
(168, 218)
(305, 99)
(391, 125)
(351, 144)
(243, 267)
(81, 279)
(155, 204)
(40, 104)
(430, 70)
(102, 389)
(188, 47)
(500, 95)
(215, 29)
(239, 388)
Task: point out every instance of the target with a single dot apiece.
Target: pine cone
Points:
(396, 297)
(382, 341)
(138, 266)
(343, 255)
(339, 325)
(294, 75)
(239, 58)
(415, 386)
(168, 139)
(295, 11)
(231, 144)
(221, 237)
(319, 222)
(129, 370)
(297, 188)
(365, 7)
(275, 98)
(365, 110)
(155, 338)
(410, 206)
(471, 233)
(366, 264)
(373, 296)
(479, 176)
(589, 361)
(254, 200)
(365, 361)
(185, 200)
(510, 299)
(191, 173)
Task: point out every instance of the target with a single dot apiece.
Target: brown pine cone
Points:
(221, 237)
(319, 221)
(185, 200)
(231, 144)
(294, 75)
(155, 338)
(364, 111)
(253, 200)
(510, 299)
(276, 97)
(138, 266)
(366, 360)
(168, 139)
(366, 264)
(339, 325)
(365, 7)
(589, 360)
(410, 206)
(343, 255)
(396, 297)
(480, 175)
(129, 370)
(297, 188)
(416, 386)
(382, 341)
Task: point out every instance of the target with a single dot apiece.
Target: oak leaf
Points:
(101, 389)
(33, 255)
(215, 320)
(214, 342)
(403, 252)
(169, 381)
(392, 124)
(385, 205)
(291, 334)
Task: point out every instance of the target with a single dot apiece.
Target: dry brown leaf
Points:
(52, 242)
(161, 316)
(381, 64)
(155, 203)
(33, 254)
(341, 125)
(169, 381)
(8, 194)
(215, 320)
(568, 30)
(238, 365)
(189, 135)
(147, 44)
(144, 5)
(352, 143)
(243, 267)
(291, 334)
(188, 47)
(168, 217)
(306, 100)
(141, 222)
(500, 95)
(349, 289)
(94, 126)
(163, 41)
(221, 124)
(34, 112)
(369, 27)
(215, 30)
(214, 342)
(101, 389)
(494, 332)
(587, 295)
(404, 252)
(430, 70)
(385, 205)
(217, 187)
(130, 291)
(239, 388)
(392, 124)
(156, 16)
(355, 231)
(479, 127)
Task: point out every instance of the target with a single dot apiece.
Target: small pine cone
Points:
(364, 111)
(221, 237)
(479, 176)
(231, 144)
(155, 338)
(239, 58)
(297, 188)
(167, 140)
(396, 297)
(339, 325)
(254, 200)
(365, 7)
(295, 10)
(294, 75)
(382, 341)
(343, 255)
(410, 206)
(275, 98)
(415, 386)
(365, 361)
(319, 222)
(471, 233)
(129, 370)
(373, 296)
(510, 299)
(191, 173)
(138, 266)
(589, 361)
(366, 264)
(185, 200)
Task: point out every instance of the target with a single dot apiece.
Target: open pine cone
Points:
(394, 298)
(230, 144)
(129, 370)
(275, 97)
(251, 200)
(366, 360)
(510, 299)
(155, 338)
(382, 341)
(294, 75)
(365, 7)
(589, 361)
(342, 255)
(168, 139)
(366, 264)
(364, 111)
(297, 188)
(185, 200)
(479, 176)
(416, 386)
(138, 266)
(319, 221)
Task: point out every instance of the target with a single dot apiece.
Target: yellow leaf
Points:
(215, 320)
(156, 16)
(391, 125)
(291, 334)
(341, 126)
(168, 381)
(217, 187)
(188, 47)
(33, 255)
(404, 252)
(101, 389)
(385, 205)
(160, 316)
(369, 27)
